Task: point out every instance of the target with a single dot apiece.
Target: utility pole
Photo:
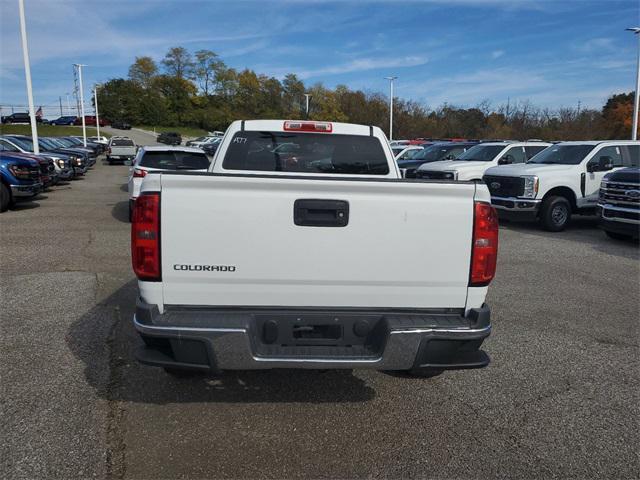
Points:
(60, 100)
(636, 103)
(27, 74)
(95, 101)
(68, 105)
(84, 126)
(391, 79)
(307, 96)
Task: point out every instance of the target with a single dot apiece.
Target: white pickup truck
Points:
(558, 182)
(277, 259)
(472, 164)
(121, 149)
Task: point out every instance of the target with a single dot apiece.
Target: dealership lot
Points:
(559, 399)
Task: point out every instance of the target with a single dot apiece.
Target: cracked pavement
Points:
(560, 398)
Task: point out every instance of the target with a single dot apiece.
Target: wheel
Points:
(618, 236)
(555, 213)
(425, 372)
(5, 197)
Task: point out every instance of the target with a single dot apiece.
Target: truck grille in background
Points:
(34, 173)
(504, 186)
(620, 194)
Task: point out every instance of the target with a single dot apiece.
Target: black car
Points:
(619, 204)
(433, 153)
(17, 118)
(170, 138)
(120, 125)
(210, 148)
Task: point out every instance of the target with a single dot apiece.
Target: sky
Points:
(551, 52)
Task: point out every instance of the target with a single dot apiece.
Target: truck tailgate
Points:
(232, 240)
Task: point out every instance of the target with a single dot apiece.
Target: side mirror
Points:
(603, 164)
(506, 160)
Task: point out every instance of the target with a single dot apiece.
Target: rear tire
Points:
(617, 236)
(5, 197)
(555, 213)
(425, 372)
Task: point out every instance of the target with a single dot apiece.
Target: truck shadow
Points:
(104, 340)
(582, 229)
(120, 211)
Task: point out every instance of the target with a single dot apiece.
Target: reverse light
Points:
(145, 237)
(299, 126)
(484, 250)
(138, 173)
(530, 187)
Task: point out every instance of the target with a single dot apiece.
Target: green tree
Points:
(206, 66)
(142, 71)
(178, 63)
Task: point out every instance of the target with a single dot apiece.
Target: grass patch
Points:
(48, 130)
(185, 131)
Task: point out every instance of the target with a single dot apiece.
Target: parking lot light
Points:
(391, 79)
(27, 74)
(84, 125)
(636, 105)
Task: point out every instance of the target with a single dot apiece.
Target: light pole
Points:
(307, 96)
(391, 79)
(95, 100)
(84, 125)
(27, 74)
(636, 105)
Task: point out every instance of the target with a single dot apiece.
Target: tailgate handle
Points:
(321, 213)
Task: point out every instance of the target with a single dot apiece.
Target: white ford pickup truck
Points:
(281, 258)
(560, 181)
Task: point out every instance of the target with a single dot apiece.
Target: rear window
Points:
(122, 143)
(175, 160)
(306, 153)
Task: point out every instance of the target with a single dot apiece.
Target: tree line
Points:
(200, 90)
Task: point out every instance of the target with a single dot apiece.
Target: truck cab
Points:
(559, 182)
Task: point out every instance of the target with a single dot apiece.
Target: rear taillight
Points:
(299, 126)
(137, 173)
(484, 252)
(145, 237)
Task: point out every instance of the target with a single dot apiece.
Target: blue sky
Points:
(551, 52)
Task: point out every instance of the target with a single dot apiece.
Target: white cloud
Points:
(595, 45)
(357, 65)
(497, 54)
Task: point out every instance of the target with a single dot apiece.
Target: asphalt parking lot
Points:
(560, 399)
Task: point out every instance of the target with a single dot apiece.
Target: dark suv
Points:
(17, 118)
(170, 138)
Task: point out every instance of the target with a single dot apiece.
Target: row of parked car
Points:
(24, 174)
(89, 120)
(207, 143)
(547, 182)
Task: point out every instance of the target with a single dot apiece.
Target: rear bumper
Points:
(234, 339)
